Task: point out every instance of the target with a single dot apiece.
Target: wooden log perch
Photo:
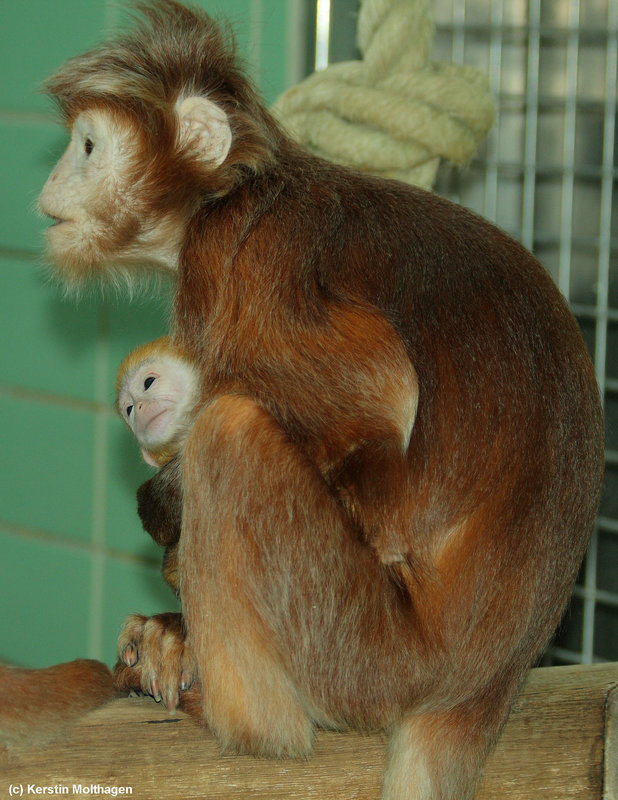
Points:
(560, 743)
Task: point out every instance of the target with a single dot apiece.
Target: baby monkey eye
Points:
(129, 409)
(88, 146)
(148, 382)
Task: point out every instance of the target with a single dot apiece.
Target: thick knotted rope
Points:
(394, 112)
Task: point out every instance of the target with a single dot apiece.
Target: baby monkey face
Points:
(155, 399)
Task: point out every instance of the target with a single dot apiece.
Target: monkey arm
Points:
(346, 392)
(338, 384)
(159, 504)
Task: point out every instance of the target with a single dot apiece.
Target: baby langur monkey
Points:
(158, 391)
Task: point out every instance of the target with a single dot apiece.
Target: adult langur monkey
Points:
(392, 479)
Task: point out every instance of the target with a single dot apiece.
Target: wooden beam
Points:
(560, 743)
(611, 747)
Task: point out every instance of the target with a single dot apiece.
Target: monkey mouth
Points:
(55, 221)
(153, 420)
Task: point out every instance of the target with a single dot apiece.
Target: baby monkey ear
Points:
(204, 129)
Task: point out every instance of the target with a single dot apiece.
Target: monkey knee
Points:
(226, 425)
(232, 415)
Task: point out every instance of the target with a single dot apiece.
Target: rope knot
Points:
(393, 112)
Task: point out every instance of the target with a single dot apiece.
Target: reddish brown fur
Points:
(330, 573)
(38, 705)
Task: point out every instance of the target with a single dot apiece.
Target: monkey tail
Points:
(38, 705)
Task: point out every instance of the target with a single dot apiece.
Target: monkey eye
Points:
(88, 146)
(129, 409)
(148, 382)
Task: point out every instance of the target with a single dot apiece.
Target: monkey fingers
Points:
(129, 637)
(155, 658)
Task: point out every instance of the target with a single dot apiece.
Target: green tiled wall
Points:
(75, 560)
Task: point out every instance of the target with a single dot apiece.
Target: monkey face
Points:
(87, 195)
(103, 197)
(155, 400)
(96, 199)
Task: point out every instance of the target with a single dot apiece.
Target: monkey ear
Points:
(205, 129)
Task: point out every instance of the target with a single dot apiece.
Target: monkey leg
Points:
(155, 658)
(248, 697)
(439, 755)
(290, 616)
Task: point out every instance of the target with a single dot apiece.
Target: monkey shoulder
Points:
(364, 231)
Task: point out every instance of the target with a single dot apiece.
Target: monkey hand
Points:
(155, 658)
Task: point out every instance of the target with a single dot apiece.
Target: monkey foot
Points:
(155, 658)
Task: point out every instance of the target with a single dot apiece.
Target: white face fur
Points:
(87, 195)
(92, 164)
(96, 202)
(156, 399)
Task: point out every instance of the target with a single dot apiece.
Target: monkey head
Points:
(160, 121)
(157, 389)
